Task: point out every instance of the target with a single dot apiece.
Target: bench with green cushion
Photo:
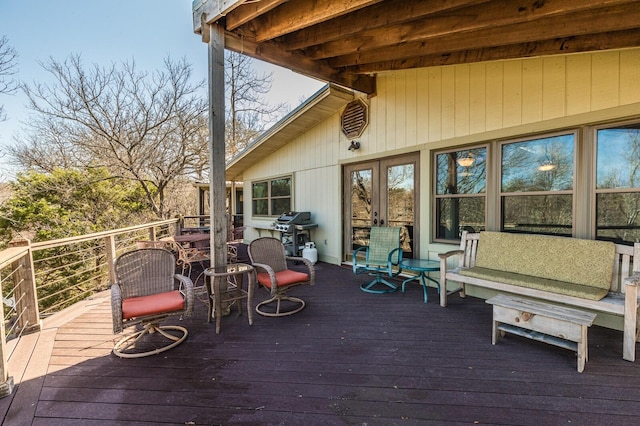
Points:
(570, 266)
(596, 276)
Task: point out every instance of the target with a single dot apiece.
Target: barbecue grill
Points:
(294, 230)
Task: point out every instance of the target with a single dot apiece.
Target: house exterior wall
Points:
(432, 108)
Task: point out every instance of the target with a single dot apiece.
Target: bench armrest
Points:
(443, 272)
(444, 256)
(633, 280)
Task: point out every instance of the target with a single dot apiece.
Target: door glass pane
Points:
(400, 203)
(361, 193)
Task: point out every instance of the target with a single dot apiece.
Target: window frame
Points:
(484, 195)
(269, 198)
(502, 195)
(595, 191)
(585, 191)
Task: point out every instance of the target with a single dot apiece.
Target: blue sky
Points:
(105, 32)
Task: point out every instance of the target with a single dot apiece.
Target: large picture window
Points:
(618, 183)
(582, 183)
(536, 185)
(461, 180)
(271, 197)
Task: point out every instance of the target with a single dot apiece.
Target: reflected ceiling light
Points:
(466, 161)
(546, 167)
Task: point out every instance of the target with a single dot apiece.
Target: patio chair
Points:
(268, 256)
(383, 253)
(143, 295)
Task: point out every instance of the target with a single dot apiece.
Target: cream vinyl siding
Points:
(311, 159)
(433, 108)
(434, 104)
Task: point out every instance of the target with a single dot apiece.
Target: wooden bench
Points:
(621, 297)
(544, 322)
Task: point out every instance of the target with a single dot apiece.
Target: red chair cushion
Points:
(283, 278)
(169, 301)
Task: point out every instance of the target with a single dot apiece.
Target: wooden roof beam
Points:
(608, 19)
(269, 52)
(480, 17)
(248, 11)
(556, 46)
(375, 16)
(295, 15)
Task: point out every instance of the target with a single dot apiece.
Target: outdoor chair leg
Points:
(378, 285)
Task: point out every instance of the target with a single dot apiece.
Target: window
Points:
(583, 183)
(618, 183)
(537, 185)
(461, 179)
(271, 197)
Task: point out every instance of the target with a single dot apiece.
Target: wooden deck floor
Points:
(349, 358)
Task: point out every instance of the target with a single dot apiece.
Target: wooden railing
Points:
(39, 279)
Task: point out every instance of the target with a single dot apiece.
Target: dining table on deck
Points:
(199, 241)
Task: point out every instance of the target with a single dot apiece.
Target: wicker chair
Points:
(381, 255)
(144, 295)
(270, 260)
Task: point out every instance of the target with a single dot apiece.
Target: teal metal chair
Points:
(381, 256)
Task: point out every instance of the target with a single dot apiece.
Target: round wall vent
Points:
(354, 119)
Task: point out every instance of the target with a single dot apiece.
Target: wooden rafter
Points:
(477, 19)
(348, 41)
(556, 46)
(377, 16)
(295, 15)
(248, 11)
(270, 53)
(582, 23)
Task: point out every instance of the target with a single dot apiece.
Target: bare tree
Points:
(248, 112)
(150, 128)
(8, 68)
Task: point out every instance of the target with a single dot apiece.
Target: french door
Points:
(382, 192)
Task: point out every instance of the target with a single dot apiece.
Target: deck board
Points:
(349, 358)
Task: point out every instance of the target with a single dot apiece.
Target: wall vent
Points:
(354, 118)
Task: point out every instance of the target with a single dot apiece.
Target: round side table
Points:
(423, 267)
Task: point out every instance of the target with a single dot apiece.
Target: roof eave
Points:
(317, 108)
(210, 11)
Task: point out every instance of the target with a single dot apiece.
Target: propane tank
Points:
(310, 252)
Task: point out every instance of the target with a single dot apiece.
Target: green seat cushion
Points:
(554, 259)
(553, 286)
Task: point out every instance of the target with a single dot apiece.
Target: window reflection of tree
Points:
(538, 166)
(400, 187)
(460, 173)
(361, 206)
(618, 212)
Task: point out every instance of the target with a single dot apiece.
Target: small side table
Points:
(423, 267)
(545, 322)
(217, 294)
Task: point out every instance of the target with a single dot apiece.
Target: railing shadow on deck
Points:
(348, 358)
